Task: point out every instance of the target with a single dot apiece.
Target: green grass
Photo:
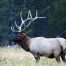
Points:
(19, 57)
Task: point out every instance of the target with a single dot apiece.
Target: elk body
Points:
(40, 46)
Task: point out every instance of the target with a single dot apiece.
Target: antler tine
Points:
(18, 27)
(29, 16)
(22, 21)
(37, 15)
(16, 24)
(12, 28)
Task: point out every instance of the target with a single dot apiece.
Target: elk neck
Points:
(25, 43)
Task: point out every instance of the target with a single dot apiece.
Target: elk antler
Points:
(29, 17)
(33, 19)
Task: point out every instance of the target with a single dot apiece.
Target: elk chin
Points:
(16, 40)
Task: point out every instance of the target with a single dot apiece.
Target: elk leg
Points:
(37, 58)
(57, 54)
(57, 59)
(63, 57)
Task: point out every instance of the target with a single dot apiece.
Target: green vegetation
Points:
(52, 26)
(18, 57)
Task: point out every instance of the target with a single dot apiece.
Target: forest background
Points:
(52, 26)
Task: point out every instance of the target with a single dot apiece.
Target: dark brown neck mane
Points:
(25, 43)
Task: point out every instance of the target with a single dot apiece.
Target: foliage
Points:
(56, 17)
(18, 57)
(52, 26)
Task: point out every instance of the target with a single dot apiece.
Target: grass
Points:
(18, 57)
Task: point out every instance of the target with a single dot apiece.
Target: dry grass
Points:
(18, 57)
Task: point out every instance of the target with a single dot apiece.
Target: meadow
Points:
(13, 56)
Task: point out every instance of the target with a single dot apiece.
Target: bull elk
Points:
(39, 46)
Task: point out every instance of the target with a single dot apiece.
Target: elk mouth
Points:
(16, 40)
